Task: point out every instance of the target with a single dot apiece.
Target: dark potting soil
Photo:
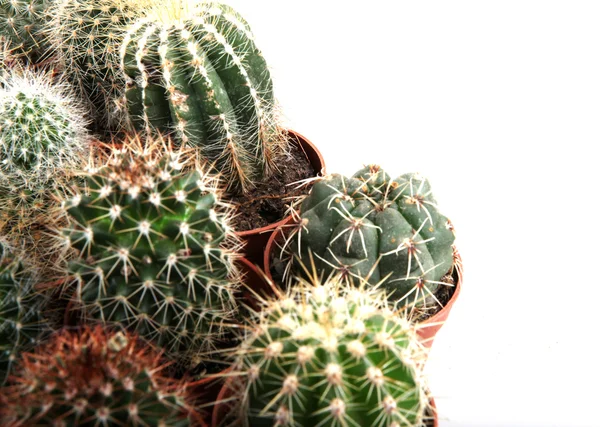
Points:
(268, 201)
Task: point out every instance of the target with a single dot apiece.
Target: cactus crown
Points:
(330, 354)
(193, 69)
(21, 24)
(384, 230)
(21, 323)
(156, 251)
(95, 377)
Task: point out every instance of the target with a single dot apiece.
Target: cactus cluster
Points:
(370, 226)
(156, 251)
(94, 377)
(194, 70)
(21, 321)
(22, 24)
(330, 354)
(87, 34)
(42, 143)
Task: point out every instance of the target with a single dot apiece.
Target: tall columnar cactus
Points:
(21, 321)
(194, 69)
(22, 24)
(156, 252)
(87, 34)
(42, 142)
(370, 226)
(94, 377)
(331, 354)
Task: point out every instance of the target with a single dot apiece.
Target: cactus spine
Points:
(156, 252)
(94, 377)
(21, 322)
(42, 141)
(193, 68)
(330, 354)
(370, 226)
(21, 26)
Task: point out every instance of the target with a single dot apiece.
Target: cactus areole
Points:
(386, 230)
(193, 69)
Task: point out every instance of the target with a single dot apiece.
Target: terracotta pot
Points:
(256, 239)
(226, 400)
(256, 284)
(426, 329)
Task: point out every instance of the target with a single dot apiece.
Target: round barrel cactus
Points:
(94, 377)
(388, 231)
(22, 23)
(330, 354)
(21, 321)
(194, 70)
(156, 252)
(87, 35)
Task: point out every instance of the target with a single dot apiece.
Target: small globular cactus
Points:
(156, 251)
(42, 143)
(369, 226)
(22, 24)
(86, 35)
(331, 354)
(95, 377)
(194, 70)
(21, 320)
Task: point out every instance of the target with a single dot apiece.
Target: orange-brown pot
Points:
(256, 239)
(426, 329)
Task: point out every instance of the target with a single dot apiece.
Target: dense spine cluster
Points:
(21, 321)
(94, 377)
(87, 34)
(156, 252)
(372, 227)
(193, 69)
(22, 24)
(331, 355)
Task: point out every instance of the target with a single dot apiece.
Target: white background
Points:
(498, 103)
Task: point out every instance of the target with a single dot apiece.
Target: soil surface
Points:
(267, 203)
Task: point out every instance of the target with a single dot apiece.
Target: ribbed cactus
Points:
(156, 252)
(370, 226)
(22, 23)
(194, 69)
(87, 34)
(21, 322)
(94, 377)
(42, 143)
(331, 354)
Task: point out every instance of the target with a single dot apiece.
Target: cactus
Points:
(21, 322)
(331, 354)
(156, 252)
(94, 377)
(193, 69)
(42, 142)
(21, 25)
(370, 226)
(87, 34)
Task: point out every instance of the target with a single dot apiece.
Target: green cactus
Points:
(370, 226)
(193, 69)
(21, 322)
(156, 252)
(22, 23)
(94, 377)
(331, 354)
(42, 142)
(87, 34)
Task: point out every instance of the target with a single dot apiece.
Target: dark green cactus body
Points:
(21, 25)
(331, 355)
(21, 323)
(201, 76)
(154, 244)
(371, 226)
